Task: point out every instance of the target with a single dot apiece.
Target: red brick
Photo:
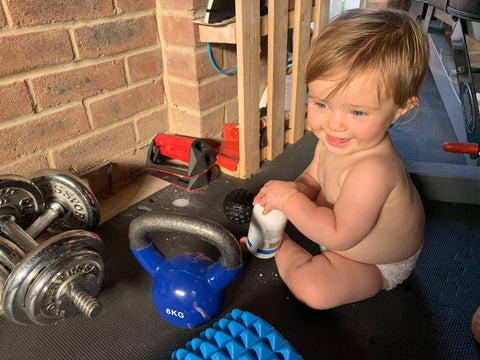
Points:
(226, 60)
(145, 65)
(218, 91)
(212, 124)
(186, 124)
(183, 4)
(33, 50)
(41, 132)
(205, 126)
(26, 166)
(231, 111)
(3, 21)
(180, 31)
(184, 95)
(229, 56)
(60, 88)
(27, 13)
(153, 124)
(95, 149)
(127, 103)
(204, 96)
(191, 66)
(14, 100)
(135, 5)
(115, 37)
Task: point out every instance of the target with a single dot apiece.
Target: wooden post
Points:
(248, 58)
(320, 15)
(301, 43)
(277, 66)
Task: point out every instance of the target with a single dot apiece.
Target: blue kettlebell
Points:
(187, 288)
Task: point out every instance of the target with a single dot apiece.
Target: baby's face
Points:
(355, 118)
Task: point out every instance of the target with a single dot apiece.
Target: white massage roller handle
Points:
(265, 232)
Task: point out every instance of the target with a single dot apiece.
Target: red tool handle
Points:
(175, 146)
(464, 148)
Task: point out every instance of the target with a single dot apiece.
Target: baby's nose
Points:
(336, 122)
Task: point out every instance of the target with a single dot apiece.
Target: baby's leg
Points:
(327, 280)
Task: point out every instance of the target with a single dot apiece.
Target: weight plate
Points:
(47, 254)
(468, 108)
(10, 254)
(47, 299)
(20, 198)
(73, 193)
(3, 279)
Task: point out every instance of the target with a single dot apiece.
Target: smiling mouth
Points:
(337, 142)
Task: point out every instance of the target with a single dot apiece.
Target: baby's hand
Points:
(274, 194)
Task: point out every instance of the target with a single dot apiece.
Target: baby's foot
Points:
(476, 325)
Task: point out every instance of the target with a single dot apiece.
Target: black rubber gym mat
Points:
(449, 276)
(426, 317)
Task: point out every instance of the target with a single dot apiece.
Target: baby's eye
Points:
(358, 113)
(321, 105)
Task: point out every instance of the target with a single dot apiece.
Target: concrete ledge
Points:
(446, 182)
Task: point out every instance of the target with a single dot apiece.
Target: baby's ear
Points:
(411, 103)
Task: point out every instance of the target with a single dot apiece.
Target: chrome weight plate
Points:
(48, 298)
(20, 198)
(48, 254)
(3, 279)
(73, 194)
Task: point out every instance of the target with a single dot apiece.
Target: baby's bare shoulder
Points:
(377, 164)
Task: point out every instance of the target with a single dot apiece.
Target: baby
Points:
(355, 198)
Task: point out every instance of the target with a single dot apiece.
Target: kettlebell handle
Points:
(187, 225)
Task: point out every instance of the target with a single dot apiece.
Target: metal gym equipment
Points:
(70, 203)
(183, 161)
(42, 283)
(464, 14)
(187, 288)
(60, 276)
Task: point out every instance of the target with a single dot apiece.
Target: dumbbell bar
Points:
(70, 204)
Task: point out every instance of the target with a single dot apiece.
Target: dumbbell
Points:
(51, 279)
(10, 255)
(23, 207)
(69, 203)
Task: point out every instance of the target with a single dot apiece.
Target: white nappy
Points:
(397, 272)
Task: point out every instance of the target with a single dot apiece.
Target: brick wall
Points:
(86, 85)
(81, 83)
(201, 99)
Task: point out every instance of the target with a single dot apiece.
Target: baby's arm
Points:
(305, 183)
(355, 212)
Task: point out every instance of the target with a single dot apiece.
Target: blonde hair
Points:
(389, 42)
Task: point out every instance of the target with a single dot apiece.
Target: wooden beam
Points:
(248, 62)
(320, 15)
(301, 43)
(277, 66)
(226, 34)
